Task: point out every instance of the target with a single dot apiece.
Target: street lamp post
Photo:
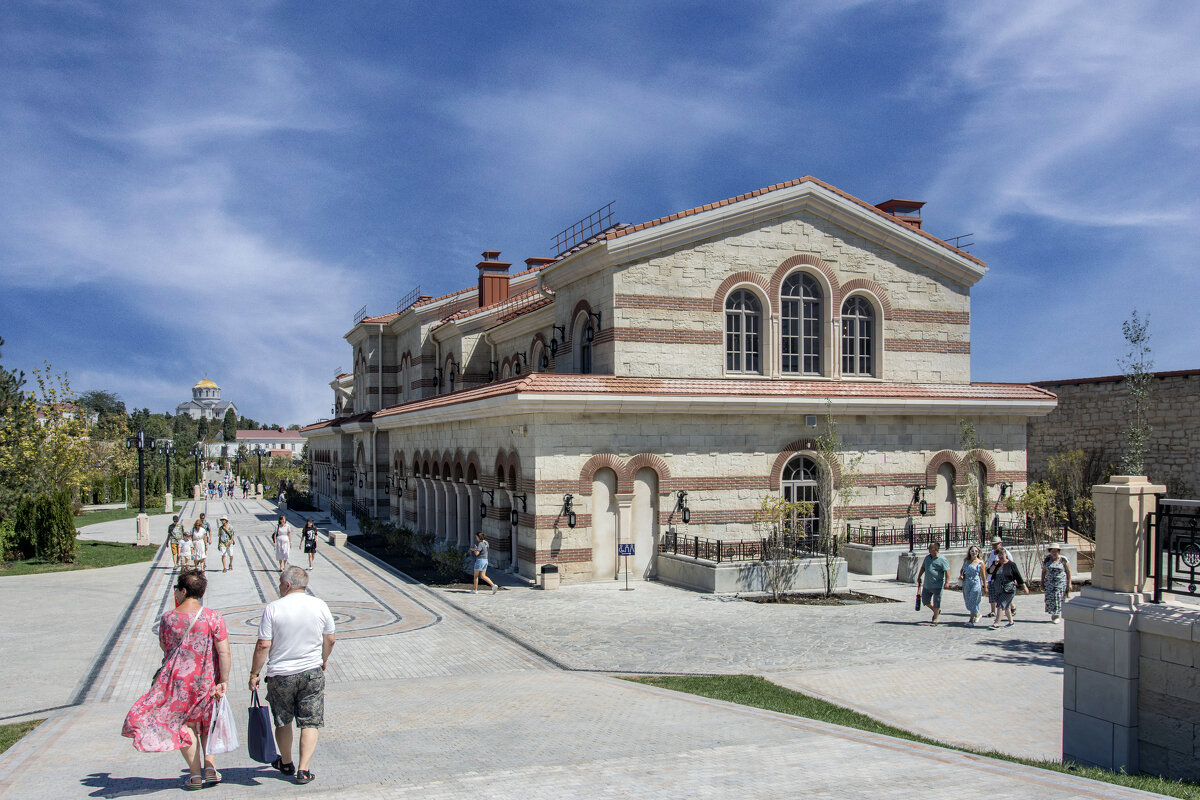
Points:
(197, 451)
(167, 448)
(259, 451)
(141, 442)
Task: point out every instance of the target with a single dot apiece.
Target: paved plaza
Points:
(433, 695)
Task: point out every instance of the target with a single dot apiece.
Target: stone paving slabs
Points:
(424, 701)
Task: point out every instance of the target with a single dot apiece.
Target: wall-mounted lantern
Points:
(512, 514)
(569, 510)
(919, 498)
(681, 506)
(483, 507)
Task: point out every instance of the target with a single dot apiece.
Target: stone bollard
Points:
(168, 503)
(196, 493)
(143, 530)
(549, 576)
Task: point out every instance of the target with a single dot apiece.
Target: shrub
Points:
(8, 540)
(448, 563)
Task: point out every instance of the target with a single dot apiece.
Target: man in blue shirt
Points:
(936, 571)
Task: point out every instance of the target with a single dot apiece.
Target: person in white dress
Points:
(283, 542)
(199, 542)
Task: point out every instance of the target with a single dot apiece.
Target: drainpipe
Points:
(542, 290)
(487, 337)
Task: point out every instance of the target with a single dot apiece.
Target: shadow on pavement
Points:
(108, 786)
(1019, 651)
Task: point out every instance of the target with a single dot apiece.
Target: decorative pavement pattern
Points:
(425, 701)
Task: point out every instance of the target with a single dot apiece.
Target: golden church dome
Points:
(205, 383)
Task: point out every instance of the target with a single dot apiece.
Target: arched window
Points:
(743, 326)
(801, 329)
(858, 332)
(799, 485)
(585, 332)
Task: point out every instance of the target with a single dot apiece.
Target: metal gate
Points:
(1175, 558)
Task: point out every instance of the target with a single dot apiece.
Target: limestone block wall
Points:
(669, 319)
(1168, 695)
(1092, 414)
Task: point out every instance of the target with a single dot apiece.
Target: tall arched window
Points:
(585, 332)
(799, 485)
(858, 332)
(801, 329)
(743, 326)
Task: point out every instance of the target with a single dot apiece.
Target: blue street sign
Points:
(625, 549)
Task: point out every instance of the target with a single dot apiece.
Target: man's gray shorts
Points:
(300, 697)
(932, 597)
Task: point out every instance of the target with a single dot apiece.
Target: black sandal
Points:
(286, 769)
(304, 776)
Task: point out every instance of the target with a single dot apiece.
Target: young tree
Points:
(776, 520)
(833, 497)
(1137, 365)
(17, 417)
(978, 501)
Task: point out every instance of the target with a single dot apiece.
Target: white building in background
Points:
(287, 444)
(206, 402)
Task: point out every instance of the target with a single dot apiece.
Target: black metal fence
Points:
(949, 537)
(1175, 559)
(337, 512)
(795, 545)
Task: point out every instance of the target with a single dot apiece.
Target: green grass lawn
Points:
(749, 690)
(11, 734)
(110, 514)
(88, 555)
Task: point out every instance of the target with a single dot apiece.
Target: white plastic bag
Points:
(222, 732)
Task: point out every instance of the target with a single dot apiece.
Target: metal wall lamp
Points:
(512, 514)
(685, 513)
(554, 339)
(545, 362)
(569, 510)
(589, 333)
(491, 493)
(919, 498)
(494, 371)
(1005, 489)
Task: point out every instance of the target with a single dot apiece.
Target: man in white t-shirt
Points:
(295, 638)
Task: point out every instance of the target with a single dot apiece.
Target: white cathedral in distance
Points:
(206, 402)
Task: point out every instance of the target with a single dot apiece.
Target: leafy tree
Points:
(833, 497)
(978, 502)
(46, 457)
(229, 425)
(1137, 365)
(17, 417)
(11, 384)
(776, 518)
(108, 405)
(202, 429)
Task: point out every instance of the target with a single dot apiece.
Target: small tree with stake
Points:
(778, 519)
(1137, 365)
(832, 496)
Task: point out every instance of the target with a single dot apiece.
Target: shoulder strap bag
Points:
(168, 656)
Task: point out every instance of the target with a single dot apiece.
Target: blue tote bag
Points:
(260, 733)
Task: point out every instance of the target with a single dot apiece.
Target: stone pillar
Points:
(465, 539)
(196, 493)
(168, 503)
(1101, 647)
(143, 530)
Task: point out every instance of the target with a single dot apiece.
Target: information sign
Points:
(625, 549)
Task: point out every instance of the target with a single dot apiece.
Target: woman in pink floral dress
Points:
(179, 706)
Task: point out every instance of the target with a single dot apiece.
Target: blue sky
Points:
(217, 187)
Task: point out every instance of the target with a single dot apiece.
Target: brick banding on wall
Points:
(926, 346)
(665, 336)
(881, 511)
(927, 315)
(663, 303)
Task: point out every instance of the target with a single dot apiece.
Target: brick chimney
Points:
(493, 279)
(906, 211)
(538, 261)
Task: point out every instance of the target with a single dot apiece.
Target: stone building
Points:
(683, 363)
(1093, 413)
(206, 402)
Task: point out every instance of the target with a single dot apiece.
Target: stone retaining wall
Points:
(743, 576)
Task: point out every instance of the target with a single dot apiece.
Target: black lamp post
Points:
(167, 448)
(258, 451)
(197, 451)
(141, 442)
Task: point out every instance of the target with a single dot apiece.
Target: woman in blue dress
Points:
(973, 583)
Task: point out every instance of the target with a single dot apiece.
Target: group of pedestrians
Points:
(189, 547)
(995, 576)
(295, 639)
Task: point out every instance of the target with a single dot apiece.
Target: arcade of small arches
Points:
(452, 495)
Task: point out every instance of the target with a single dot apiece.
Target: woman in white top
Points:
(283, 542)
(199, 551)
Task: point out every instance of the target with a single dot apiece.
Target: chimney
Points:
(906, 211)
(538, 261)
(493, 279)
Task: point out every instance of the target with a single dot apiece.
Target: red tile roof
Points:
(553, 383)
(339, 421)
(614, 234)
(267, 435)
